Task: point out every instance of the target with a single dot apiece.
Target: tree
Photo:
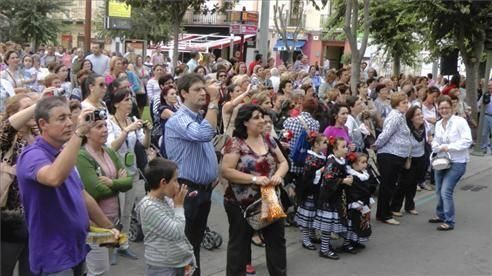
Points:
(175, 11)
(461, 25)
(282, 17)
(146, 25)
(397, 28)
(347, 13)
(33, 20)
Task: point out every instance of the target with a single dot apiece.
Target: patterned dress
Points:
(359, 201)
(13, 223)
(331, 214)
(251, 163)
(309, 189)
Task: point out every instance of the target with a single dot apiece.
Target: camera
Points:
(98, 114)
(60, 91)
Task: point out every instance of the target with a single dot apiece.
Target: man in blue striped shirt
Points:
(188, 141)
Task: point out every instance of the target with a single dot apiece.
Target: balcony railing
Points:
(205, 19)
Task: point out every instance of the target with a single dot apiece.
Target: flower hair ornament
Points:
(332, 140)
(255, 101)
(351, 157)
(311, 137)
(287, 135)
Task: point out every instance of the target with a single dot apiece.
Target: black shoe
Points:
(358, 245)
(309, 246)
(315, 240)
(349, 249)
(329, 255)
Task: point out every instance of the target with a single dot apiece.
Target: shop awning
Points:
(280, 45)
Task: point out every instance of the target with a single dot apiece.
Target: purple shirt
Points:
(337, 132)
(57, 218)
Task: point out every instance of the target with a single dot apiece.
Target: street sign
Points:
(119, 9)
(250, 17)
(118, 15)
(118, 23)
(243, 29)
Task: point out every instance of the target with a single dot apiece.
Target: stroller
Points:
(211, 239)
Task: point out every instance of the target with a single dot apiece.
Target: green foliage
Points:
(33, 20)
(397, 29)
(146, 25)
(454, 24)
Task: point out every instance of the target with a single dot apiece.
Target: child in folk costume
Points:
(308, 191)
(359, 199)
(331, 213)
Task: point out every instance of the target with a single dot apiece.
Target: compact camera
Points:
(98, 114)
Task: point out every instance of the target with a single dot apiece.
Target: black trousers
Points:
(407, 185)
(239, 245)
(390, 167)
(196, 213)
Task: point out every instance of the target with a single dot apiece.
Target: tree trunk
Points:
(355, 71)
(472, 79)
(396, 65)
(175, 47)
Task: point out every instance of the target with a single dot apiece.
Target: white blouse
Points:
(114, 131)
(457, 137)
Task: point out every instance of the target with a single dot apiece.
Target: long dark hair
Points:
(116, 97)
(335, 110)
(244, 113)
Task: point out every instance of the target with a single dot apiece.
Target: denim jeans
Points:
(446, 180)
(487, 129)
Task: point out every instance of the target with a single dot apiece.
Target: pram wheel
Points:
(211, 239)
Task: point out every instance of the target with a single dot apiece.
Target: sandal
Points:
(258, 241)
(445, 227)
(436, 220)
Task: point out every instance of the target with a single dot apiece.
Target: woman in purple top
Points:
(339, 113)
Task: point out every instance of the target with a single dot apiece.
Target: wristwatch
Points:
(253, 180)
(213, 106)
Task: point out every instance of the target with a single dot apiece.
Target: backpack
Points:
(299, 151)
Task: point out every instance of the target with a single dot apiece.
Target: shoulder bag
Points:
(7, 175)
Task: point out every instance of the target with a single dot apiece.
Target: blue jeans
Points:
(487, 129)
(446, 180)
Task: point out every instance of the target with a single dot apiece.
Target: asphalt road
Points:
(413, 248)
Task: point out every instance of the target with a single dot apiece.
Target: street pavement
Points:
(413, 248)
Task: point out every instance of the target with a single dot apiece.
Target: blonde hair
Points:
(48, 80)
(397, 98)
(260, 97)
(113, 61)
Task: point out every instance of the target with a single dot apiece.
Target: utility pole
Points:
(264, 22)
(87, 26)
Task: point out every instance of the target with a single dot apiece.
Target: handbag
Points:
(219, 140)
(440, 162)
(7, 175)
(252, 214)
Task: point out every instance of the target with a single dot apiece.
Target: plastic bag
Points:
(270, 206)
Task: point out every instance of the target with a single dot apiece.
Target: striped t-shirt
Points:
(164, 230)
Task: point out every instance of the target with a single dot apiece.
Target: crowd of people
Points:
(76, 151)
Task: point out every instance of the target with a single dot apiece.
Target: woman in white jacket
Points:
(453, 138)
